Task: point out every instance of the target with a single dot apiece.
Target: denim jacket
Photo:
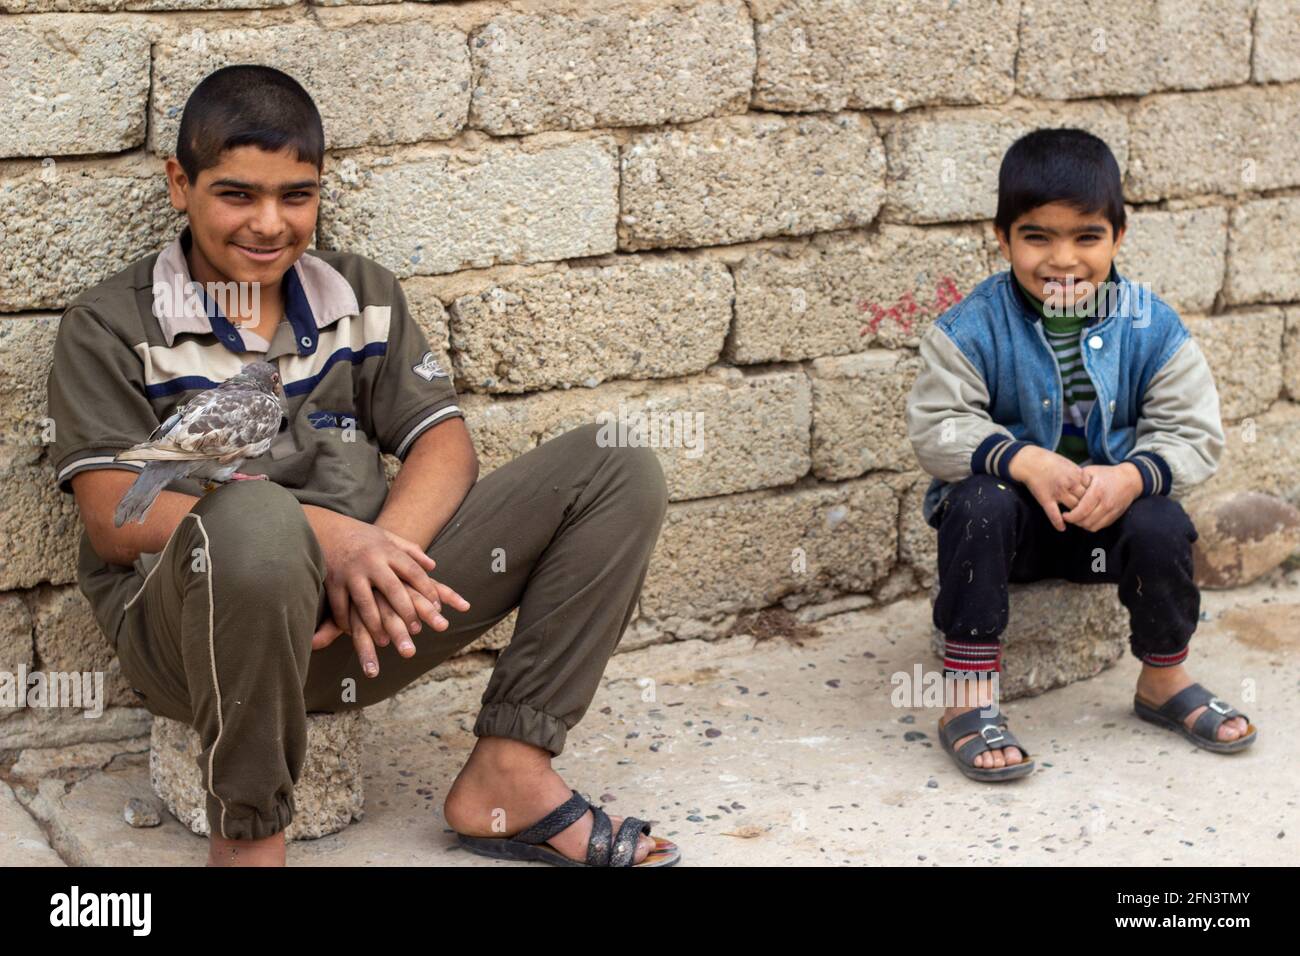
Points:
(990, 385)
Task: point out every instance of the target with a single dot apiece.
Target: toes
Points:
(1232, 729)
(644, 844)
(1228, 730)
(1012, 754)
(998, 759)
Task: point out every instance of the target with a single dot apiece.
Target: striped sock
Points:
(1165, 660)
(961, 656)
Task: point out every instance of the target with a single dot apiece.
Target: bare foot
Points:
(1156, 685)
(983, 697)
(268, 851)
(511, 784)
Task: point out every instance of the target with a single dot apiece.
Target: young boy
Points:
(242, 643)
(1059, 409)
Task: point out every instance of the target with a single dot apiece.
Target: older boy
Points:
(1060, 385)
(225, 609)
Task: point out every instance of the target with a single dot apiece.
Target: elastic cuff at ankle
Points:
(245, 823)
(963, 658)
(521, 722)
(1163, 660)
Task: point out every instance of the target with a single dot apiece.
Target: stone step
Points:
(329, 793)
(1058, 632)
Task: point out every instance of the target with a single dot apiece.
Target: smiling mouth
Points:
(1064, 285)
(260, 251)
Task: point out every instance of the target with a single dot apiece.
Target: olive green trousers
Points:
(217, 631)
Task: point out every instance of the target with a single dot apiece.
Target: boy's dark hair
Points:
(248, 105)
(1059, 165)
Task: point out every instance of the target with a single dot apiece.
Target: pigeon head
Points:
(260, 375)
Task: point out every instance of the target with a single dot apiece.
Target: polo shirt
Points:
(358, 373)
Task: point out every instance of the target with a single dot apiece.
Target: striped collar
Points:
(316, 295)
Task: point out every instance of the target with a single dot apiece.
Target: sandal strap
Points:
(562, 817)
(1184, 702)
(1207, 725)
(624, 846)
(973, 748)
(603, 847)
(1194, 696)
(972, 723)
(602, 838)
(991, 733)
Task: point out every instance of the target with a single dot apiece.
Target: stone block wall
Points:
(736, 213)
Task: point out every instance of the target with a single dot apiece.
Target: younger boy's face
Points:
(251, 216)
(1059, 253)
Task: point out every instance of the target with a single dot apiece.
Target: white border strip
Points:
(422, 425)
(212, 652)
(97, 460)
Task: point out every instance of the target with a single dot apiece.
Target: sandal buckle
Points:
(997, 734)
(1218, 706)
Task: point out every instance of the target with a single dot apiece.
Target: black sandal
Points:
(603, 847)
(991, 734)
(1205, 731)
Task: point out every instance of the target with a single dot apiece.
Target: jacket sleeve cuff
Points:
(1156, 476)
(993, 456)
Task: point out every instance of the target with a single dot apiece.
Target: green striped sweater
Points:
(1065, 336)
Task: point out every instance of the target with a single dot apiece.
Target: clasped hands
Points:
(1094, 495)
(379, 583)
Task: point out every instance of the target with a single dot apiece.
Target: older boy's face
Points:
(1060, 254)
(252, 215)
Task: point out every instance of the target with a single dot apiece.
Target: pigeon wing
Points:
(167, 425)
(215, 424)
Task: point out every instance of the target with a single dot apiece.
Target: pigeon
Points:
(209, 437)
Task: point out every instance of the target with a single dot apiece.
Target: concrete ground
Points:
(788, 751)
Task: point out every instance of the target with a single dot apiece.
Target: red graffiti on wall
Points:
(903, 313)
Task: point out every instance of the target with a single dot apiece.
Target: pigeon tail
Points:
(139, 498)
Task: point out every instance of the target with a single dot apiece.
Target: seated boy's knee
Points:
(1159, 518)
(645, 476)
(642, 483)
(984, 496)
(642, 474)
(255, 504)
(250, 518)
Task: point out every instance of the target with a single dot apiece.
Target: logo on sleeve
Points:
(428, 368)
(326, 419)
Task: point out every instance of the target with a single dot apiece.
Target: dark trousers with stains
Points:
(992, 532)
(218, 632)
